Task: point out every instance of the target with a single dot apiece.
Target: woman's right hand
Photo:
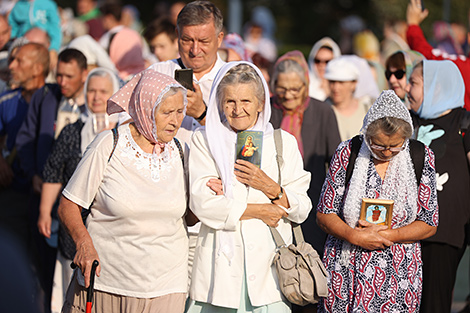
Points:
(84, 258)
(44, 224)
(367, 236)
(270, 214)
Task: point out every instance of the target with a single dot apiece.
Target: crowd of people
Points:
(106, 155)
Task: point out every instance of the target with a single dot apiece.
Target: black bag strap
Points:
(115, 141)
(180, 63)
(465, 123)
(298, 236)
(180, 149)
(416, 153)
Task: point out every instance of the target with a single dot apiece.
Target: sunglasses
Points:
(318, 61)
(398, 74)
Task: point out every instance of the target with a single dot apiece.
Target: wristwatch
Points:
(279, 195)
(203, 115)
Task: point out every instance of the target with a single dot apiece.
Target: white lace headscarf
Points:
(399, 184)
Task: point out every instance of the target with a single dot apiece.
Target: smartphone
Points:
(185, 77)
(422, 5)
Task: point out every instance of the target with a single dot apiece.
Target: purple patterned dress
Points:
(388, 280)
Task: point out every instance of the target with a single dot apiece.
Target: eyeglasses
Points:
(398, 74)
(318, 61)
(383, 148)
(281, 91)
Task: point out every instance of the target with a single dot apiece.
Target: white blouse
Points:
(136, 219)
(216, 279)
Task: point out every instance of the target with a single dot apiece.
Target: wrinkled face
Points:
(168, 117)
(198, 46)
(290, 90)
(5, 32)
(70, 78)
(397, 84)
(322, 58)
(241, 106)
(163, 47)
(99, 90)
(21, 66)
(342, 91)
(381, 140)
(415, 90)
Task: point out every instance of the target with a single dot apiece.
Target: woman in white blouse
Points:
(232, 269)
(136, 194)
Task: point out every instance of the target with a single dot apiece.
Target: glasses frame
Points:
(391, 149)
(293, 91)
(318, 61)
(398, 74)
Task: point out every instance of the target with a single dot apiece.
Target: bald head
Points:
(39, 36)
(30, 65)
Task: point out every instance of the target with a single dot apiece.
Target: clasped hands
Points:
(371, 236)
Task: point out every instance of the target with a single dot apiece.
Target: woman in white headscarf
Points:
(323, 51)
(66, 153)
(436, 95)
(371, 267)
(233, 269)
(135, 191)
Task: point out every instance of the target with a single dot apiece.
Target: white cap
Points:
(340, 69)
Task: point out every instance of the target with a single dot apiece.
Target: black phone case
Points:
(185, 78)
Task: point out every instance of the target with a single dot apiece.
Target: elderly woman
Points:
(436, 93)
(398, 68)
(232, 269)
(323, 51)
(371, 267)
(136, 193)
(311, 122)
(67, 151)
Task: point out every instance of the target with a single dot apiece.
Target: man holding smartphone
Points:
(199, 29)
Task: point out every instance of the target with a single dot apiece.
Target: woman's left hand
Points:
(250, 175)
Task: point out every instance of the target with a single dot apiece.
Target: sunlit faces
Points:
(198, 46)
(397, 84)
(168, 117)
(99, 90)
(163, 47)
(386, 143)
(241, 106)
(70, 78)
(415, 89)
(290, 90)
(342, 91)
(324, 55)
(21, 66)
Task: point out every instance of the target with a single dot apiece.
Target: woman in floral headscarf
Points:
(135, 190)
(436, 94)
(310, 121)
(371, 267)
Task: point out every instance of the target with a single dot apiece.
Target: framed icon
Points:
(377, 211)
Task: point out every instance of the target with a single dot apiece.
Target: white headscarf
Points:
(221, 138)
(315, 81)
(222, 141)
(399, 184)
(93, 51)
(88, 117)
(366, 84)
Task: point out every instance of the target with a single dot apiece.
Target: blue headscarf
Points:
(444, 88)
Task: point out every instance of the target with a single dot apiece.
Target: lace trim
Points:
(153, 166)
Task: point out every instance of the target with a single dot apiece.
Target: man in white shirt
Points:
(199, 29)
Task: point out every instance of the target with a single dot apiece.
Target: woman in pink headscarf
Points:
(125, 50)
(134, 187)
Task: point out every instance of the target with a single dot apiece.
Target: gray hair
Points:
(200, 12)
(242, 74)
(389, 126)
(288, 66)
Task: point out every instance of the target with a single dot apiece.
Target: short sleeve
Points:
(85, 182)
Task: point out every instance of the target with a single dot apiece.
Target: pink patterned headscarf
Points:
(140, 97)
(292, 120)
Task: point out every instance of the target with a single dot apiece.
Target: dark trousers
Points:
(440, 262)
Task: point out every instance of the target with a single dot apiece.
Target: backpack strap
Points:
(180, 63)
(417, 157)
(180, 149)
(115, 141)
(356, 143)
